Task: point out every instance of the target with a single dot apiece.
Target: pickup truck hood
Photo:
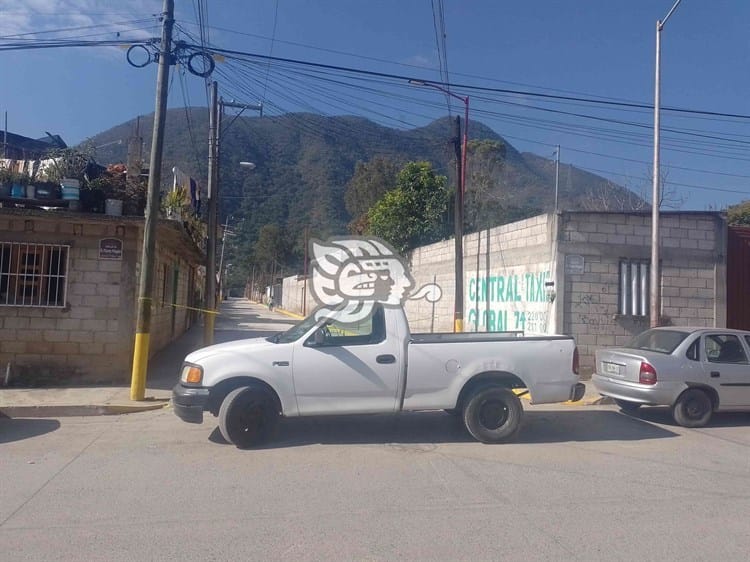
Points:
(252, 346)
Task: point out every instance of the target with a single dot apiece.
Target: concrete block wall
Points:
(693, 259)
(92, 337)
(85, 339)
(527, 259)
(169, 315)
(502, 268)
(296, 293)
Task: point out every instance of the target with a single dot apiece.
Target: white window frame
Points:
(633, 294)
(33, 274)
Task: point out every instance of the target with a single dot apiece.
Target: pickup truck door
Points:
(349, 369)
(728, 369)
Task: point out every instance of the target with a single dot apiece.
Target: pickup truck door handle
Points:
(280, 363)
(715, 374)
(385, 359)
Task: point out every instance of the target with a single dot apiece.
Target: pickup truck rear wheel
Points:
(247, 417)
(493, 414)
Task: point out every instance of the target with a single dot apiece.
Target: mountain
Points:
(304, 162)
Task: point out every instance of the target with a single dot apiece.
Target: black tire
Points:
(493, 414)
(247, 417)
(693, 408)
(627, 406)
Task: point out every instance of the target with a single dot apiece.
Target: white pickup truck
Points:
(322, 367)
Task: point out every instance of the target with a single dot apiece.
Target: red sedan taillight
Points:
(647, 374)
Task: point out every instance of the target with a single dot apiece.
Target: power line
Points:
(232, 52)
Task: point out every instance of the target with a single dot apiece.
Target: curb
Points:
(53, 411)
(591, 401)
(288, 313)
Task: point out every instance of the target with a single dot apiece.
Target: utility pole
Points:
(145, 286)
(458, 312)
(213, 176)
(214, 135)
(655, 281)
(458, 309)
(5, 137)
(557, 174)
(304, 274)
(221, 258)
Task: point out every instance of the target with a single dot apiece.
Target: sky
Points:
(507, 57)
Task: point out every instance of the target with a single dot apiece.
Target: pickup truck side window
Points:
(366, 332)
(725, 348)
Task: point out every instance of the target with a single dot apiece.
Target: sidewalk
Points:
(237, 319)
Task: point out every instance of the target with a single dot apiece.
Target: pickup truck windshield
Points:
(295, 332)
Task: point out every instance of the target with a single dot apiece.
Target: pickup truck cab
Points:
(324, 367)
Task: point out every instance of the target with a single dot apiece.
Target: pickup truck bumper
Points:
(189, 402)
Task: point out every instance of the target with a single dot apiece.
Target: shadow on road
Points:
(663, 415)
(18, 429)
(438, 427)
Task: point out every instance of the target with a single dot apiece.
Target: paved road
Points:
(582, 483)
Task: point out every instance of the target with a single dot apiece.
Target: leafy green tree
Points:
(370, 181)
(271, 250)
(739, 215)
(415, 212)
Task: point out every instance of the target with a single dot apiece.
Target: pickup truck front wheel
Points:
(247, 417)
(493, 415)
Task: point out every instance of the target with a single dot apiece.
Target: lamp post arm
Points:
(674, 7)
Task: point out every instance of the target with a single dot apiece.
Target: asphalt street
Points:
(584, 483)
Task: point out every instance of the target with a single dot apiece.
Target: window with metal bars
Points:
(634, 293)
(34, 275)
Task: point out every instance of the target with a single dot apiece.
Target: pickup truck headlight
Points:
(191, 374)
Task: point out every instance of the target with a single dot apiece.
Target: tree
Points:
(370, 181)
(271, 250)
(739, 215)
(613, 197)
(483, 201)
(415, 212)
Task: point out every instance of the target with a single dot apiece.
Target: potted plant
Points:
(30, 187)
(176, 204)
(19, 185)
(6, 180)
(92, 196)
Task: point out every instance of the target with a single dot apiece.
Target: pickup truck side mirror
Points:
(320, 336)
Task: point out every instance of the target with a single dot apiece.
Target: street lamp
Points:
(458, 310)
(655, 285)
